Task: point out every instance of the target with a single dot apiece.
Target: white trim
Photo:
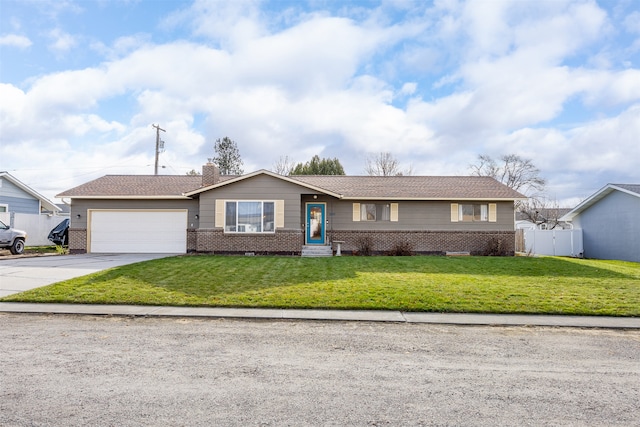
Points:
(262, 202)
(593, 199)
(48, 204)
(262, 172)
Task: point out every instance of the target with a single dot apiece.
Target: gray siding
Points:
(81, 206)
(261, 187)
(417, 216)
(611, 228)
(412, 215)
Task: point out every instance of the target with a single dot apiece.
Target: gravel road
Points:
(58, 370)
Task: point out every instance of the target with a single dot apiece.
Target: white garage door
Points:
(139, 231)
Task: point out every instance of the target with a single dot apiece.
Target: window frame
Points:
(483, 213)
(365, 212)
(384, 212)
(273, 216)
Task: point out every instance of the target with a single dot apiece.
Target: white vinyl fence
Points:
(36, 226)
(554, 242)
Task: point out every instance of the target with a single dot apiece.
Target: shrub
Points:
(401, 249)
(494, 247)
(365, 246)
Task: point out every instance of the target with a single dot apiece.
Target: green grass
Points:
(422, 283)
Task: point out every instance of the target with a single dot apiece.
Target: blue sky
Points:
(436, 83)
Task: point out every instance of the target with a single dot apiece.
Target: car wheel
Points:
(18, 247)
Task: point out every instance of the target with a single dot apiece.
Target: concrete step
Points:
(316, 251)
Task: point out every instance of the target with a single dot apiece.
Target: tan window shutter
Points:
(493, 212)
(454, 212)
(219, 213)
(356, 211)
(394, 212)
(279, 213)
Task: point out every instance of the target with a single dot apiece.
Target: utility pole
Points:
(158, 129)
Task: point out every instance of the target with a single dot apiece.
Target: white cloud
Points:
(409, 88)
(300, 84)
(61, 42)
(632, 23)
(232, 23)
(15, 40)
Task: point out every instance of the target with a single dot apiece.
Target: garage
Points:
(137, 231)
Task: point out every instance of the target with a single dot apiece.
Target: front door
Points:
(315, 223)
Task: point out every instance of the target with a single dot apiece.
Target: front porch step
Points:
(316, 251)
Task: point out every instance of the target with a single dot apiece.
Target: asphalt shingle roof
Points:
(394, 187)
(136, 185)
(413, 187)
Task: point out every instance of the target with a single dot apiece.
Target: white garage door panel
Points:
(139, 231)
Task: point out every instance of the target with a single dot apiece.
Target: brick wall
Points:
(282, 242)
(427, 242)
(289, 242)
(77, 240)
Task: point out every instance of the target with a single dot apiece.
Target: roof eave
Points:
(588, 202)
(477, 199)
(49, 204)
(129, 197)
(268, 173)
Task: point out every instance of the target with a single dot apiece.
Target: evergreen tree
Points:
(227, 157)
(317, 166)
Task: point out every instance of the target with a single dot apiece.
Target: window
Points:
(367, 212)
(386, 213)
(473, 212)
(249, 217)
(375, 212)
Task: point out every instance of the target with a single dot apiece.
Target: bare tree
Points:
(384, 164)
(541, 211)
(283, 166)
(513, 171)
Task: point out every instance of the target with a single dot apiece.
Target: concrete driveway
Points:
(22, 273)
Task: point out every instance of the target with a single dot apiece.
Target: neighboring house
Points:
(544, 219)
(263, 212)
(65, 210)
(609, 222)
(17, 197)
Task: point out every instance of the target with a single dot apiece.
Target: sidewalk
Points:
(329, 315)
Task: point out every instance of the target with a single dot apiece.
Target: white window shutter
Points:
(454, 212)
(279, 213)
(356, 211)
(219, 213)
(394, 212)
(493, 212)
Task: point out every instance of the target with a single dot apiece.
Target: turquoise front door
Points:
(315, 223)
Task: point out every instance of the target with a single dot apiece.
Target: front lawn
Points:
(421, 283)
